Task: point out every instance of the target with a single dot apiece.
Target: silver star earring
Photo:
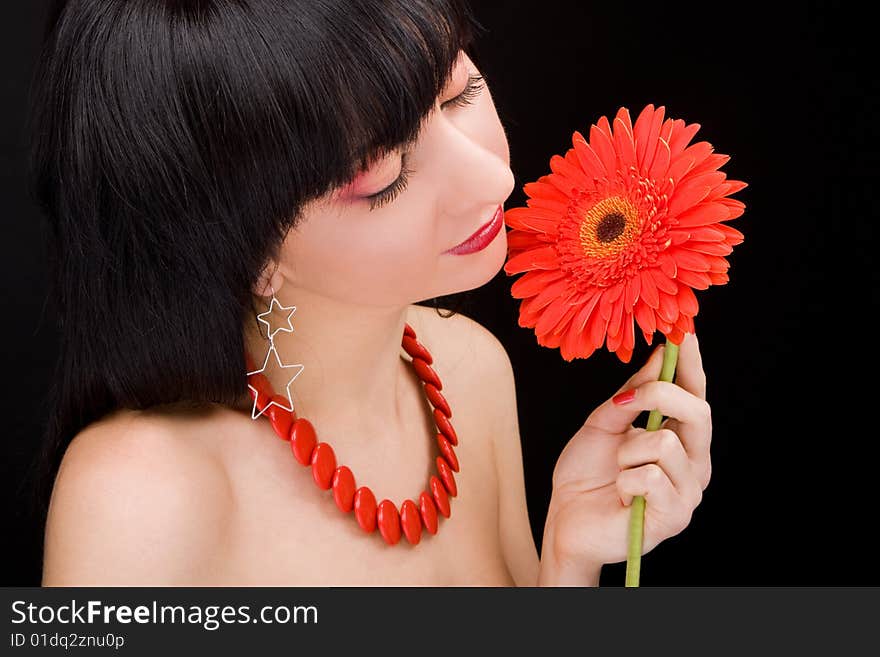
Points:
(270, 334)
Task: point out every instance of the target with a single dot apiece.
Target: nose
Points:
(478, 170)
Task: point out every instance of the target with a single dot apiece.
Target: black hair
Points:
(173, 145)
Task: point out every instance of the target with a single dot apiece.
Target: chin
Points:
(476, 269)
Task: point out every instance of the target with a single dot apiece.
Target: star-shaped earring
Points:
(254, 414)
(270, 332)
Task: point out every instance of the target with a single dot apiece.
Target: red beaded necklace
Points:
(304, 444)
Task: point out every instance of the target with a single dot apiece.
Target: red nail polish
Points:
(624, 397)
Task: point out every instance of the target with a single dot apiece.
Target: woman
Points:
(204, 161)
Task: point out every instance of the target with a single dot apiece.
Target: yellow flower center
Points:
(609, 227)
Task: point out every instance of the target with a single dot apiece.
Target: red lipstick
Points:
(484, 235)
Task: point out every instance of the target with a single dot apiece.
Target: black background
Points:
(787, 344)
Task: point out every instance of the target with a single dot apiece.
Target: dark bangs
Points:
(385, 63)
(173, 146)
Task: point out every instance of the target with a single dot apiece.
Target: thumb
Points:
(610, 417)
(650, 371)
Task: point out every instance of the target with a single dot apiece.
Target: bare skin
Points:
(212, 497)
(255, 515)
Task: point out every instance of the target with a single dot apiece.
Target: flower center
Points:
(609, 227)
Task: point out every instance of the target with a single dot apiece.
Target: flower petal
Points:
(668, 265)
(732, 235)
(623, 142)
(590, 162)
(660, 165)
(552, 205)
(550, 293)
(704, 214)
(685, 198)
(633, 286)
(532, 282)
(678, 167)
(687, 301)
(596, 329)
(616, 317)
(651, 141)
(710, 248)
(682, 135)
(575, 174)
(649, 293)
(662, 281)
(691, 260)
(629, 336)
(543, 258)
(736, 207)
(645, 317)
(668, 308)
(642, 132)
(696, 279)
(586, 309)
(534, 219)
(601, 143)
(551, 316)
(675, 335)
(705, 233)
(543, 189)
(701, 152)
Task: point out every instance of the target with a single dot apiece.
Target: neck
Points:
(353, 372)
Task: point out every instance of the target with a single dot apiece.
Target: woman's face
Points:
(395, 254)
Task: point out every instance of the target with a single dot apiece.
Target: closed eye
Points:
(472, 89)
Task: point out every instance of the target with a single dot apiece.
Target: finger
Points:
(664, 448)
(689, 373)
(652, 483)
(615, 415)
(701, 461)
(650, 371)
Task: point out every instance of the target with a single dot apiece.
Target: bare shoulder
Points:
(488, 382)
(136, 501)
(467, 344)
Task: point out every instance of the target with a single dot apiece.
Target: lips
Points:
(482, 237)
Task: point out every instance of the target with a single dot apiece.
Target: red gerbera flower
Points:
(620, 232)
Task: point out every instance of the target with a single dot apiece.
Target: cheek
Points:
(387, 258)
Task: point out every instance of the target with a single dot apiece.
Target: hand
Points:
(609, 461)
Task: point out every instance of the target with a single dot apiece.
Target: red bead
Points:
(280, 417)
(343, 488)
(388, 520)
(446, 476)
(323, 465)
(264, 390)
(447, 452)
(408, 330)
(416, 349)
(428, 512)
(426, 373)
(411, 521)
(437, 400)
(365, 508)
(445, 426)
(303, 440)
(441, 497)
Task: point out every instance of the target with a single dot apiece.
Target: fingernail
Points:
(624, 397)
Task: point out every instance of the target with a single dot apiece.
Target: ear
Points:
(271, 280)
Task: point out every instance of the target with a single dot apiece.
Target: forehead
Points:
(457, 79)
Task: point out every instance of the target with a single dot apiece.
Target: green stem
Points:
(637, 510)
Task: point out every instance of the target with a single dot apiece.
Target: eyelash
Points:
(474, 86)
